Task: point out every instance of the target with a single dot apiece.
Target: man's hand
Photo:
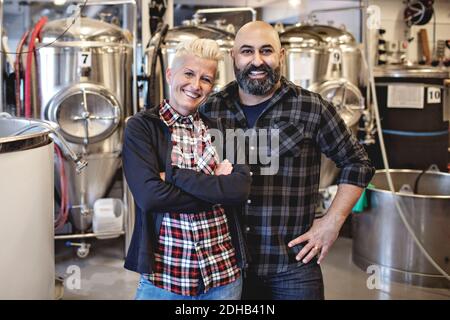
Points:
(223, 168)
(163, 176)
(324, 231)
(320, 238)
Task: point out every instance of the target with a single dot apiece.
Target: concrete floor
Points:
(103, 276)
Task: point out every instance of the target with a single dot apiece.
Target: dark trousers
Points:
(303, 282)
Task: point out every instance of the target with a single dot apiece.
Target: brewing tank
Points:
(27, 270)
(334, 50)
(85, 86)
(380, 237)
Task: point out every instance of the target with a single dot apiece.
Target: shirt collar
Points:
(170, 115)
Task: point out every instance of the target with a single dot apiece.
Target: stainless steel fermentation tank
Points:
(161, 51)
(326, 60)
(316, 53)
(26, 214)
(380, 238)
(85, 86)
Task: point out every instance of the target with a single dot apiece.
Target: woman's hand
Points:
(223, 168)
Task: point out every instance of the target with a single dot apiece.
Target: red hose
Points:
(18, 72)
(64, 206)
(29, 67)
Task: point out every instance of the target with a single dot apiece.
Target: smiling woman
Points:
(192, 74)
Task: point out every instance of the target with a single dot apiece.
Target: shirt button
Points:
(251, 173)
(249, 201)
(247, 229)
(252, 148)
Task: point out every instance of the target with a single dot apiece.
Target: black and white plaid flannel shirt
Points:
(282, 206)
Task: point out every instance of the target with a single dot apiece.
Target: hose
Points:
(18, 72)
(388, 174)
(29, 66)
(63, 214)
(151, 84)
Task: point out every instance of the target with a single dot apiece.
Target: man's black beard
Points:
(257, 87)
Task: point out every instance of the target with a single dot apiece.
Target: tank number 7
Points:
(84, 59)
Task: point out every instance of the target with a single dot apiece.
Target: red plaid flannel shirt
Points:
(193, 247)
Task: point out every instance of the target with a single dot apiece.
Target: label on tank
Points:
(433, 95)
(84, 59)
(405, 96)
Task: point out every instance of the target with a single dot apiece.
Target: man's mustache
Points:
(262, 67)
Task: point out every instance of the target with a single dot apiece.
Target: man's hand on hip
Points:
(324, 231)
(320, 237)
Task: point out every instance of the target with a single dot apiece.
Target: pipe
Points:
(29, 66)
(224, 10)
(64, 206)
(313, 13)
(18, 72)
(135, 62)
(59, 139)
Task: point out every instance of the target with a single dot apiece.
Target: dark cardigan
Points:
(147, 152)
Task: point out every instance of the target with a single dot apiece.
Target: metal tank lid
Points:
(301, 38)
(18, 134)
(410, 71)
(182, 33)
(84, 29)
(328, 34)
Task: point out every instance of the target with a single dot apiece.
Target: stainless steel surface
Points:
(87, 235)
(90, 185)
(306, 57)
(86, 88)
(345, 96)
(2, 58)
(380, 238)
(332, 52)
(14, 135)
(26, 211)
(413, 71)
(86, 113)
(174, 36)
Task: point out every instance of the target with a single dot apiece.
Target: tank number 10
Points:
(433, 95)
(84, 59)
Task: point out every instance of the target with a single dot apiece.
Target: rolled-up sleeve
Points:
(338, 143)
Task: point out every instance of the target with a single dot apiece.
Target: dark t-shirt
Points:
(253, 112)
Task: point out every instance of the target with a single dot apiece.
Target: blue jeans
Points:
(302, 282)
(148, 291)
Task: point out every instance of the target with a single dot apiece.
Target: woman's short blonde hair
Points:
(202, 48)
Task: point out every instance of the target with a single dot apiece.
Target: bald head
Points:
(257, 30)
(258, 59)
